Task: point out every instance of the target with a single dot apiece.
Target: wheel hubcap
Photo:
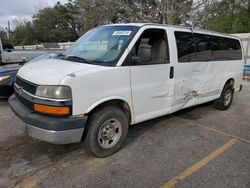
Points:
(227, 97)
(109, 133)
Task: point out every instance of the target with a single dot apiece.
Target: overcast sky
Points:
(21, 9)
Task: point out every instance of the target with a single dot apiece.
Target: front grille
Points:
(27, 104)
(27, 86)
(30, 88)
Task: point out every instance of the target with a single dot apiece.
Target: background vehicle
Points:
(8, 74)
(118, 75)
(11, 55)
(7, 79)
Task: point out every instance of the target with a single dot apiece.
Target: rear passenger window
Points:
(203, 47)
(225, 49)
(194, 47)
(185, 46)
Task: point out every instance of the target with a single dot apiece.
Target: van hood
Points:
(51, 71)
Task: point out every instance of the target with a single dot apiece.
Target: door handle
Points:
(171, 74)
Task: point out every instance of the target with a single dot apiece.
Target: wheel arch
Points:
(220, 102)
(230, 81)
(116, 101)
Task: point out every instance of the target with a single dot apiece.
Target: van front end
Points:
(47, 112)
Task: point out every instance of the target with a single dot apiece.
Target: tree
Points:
(24, 33)
(94, 12)
(228, 16)
(174, 12)
(57, 24)
(69, 21)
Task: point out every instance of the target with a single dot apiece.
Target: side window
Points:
(185, 46)
(203, 47)
(219, 49)
(152, 47)
(234, 49)
(225, 49)
(194, 47)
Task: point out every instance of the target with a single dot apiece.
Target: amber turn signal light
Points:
(53, 110)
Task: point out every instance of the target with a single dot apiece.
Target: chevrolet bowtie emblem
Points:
(20, 91)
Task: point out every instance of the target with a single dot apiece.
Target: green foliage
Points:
(229, 16)
(24, 34)
(57, 24)
(67, 22)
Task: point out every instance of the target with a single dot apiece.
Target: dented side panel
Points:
(199, 82)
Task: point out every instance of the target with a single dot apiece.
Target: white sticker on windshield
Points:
(122, 33)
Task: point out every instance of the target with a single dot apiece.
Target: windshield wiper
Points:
(78, 59)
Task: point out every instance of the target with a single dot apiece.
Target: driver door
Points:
(151, 77)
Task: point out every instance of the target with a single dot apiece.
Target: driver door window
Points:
(152, 47)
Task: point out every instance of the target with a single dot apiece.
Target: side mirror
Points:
(136, 60)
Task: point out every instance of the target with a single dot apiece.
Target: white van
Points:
(118, 75)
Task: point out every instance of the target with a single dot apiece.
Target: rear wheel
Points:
(226, 98)
(108, 128)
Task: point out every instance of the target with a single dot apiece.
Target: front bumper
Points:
(56, 130)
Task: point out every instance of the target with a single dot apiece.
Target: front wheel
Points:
(226, 98)
(108, 128)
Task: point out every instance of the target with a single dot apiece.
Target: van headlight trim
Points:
(54, 92)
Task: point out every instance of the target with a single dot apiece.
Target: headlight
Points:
(3, 78)
(56, 92)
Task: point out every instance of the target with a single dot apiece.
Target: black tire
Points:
(97, 138)
(226, 98)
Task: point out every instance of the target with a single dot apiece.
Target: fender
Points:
(107, 99)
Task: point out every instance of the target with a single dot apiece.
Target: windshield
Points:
(102, 45)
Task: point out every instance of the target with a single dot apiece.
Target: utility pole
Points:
(9, 33)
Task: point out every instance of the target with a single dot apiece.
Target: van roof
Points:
(177, 27)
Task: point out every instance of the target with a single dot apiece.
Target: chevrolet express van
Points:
(122, 74)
